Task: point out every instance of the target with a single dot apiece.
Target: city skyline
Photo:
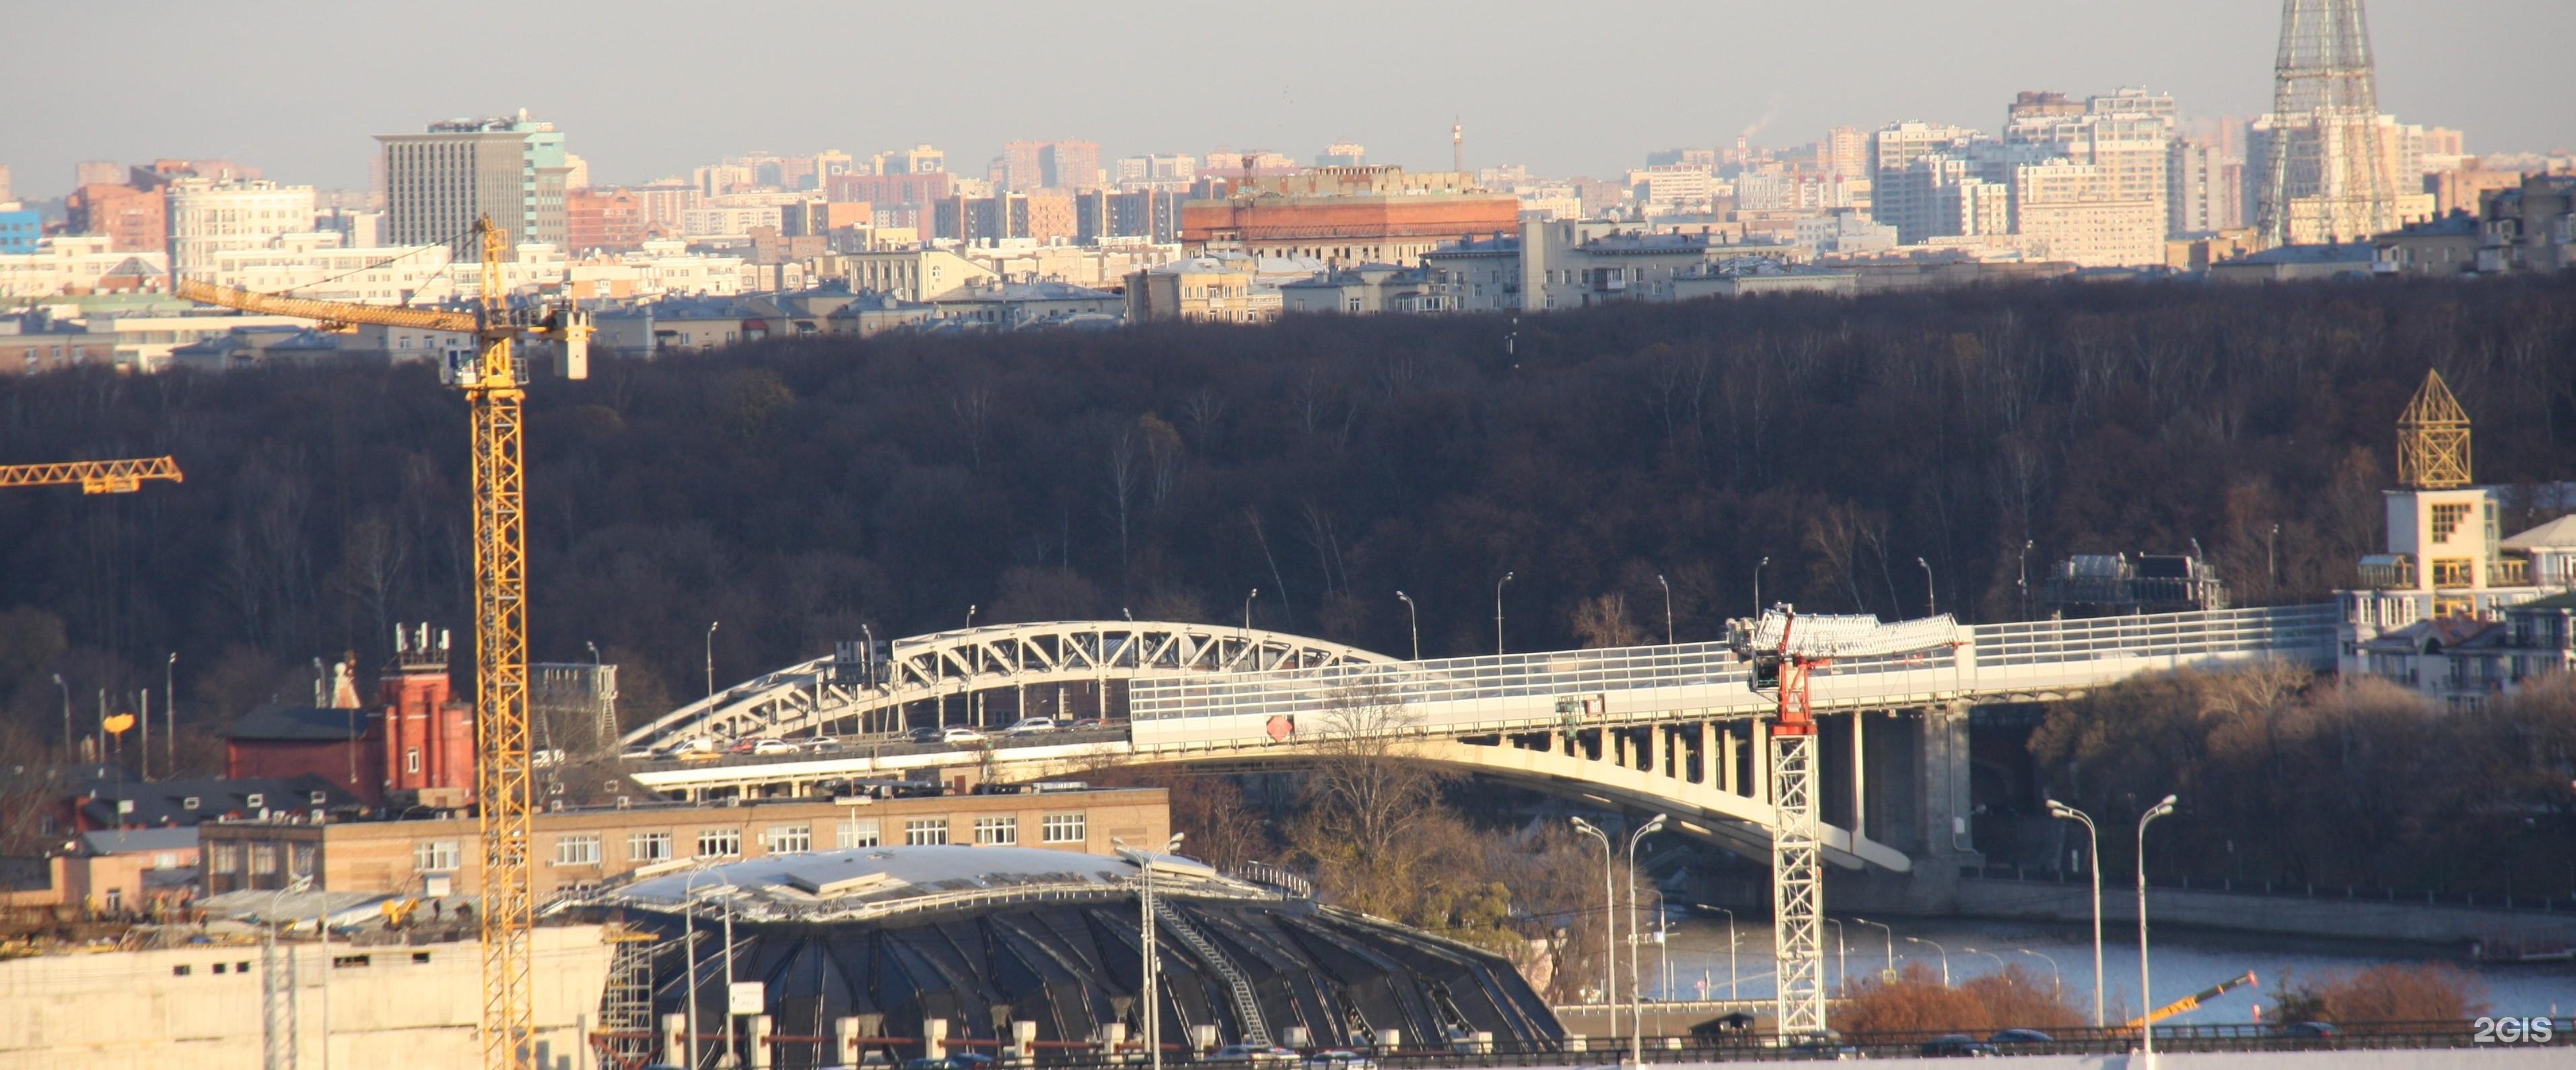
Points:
(1396, 91)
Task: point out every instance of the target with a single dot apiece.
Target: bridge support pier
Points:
(1919, 791)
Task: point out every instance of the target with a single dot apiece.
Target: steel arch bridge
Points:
(853, 688)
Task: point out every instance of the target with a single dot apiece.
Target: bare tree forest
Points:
(796, 491)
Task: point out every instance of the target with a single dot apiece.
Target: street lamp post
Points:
(711, 658)
(2026, 545)
(1931, 597)
(67, 716)
(1842, 955)
(1668, 607)
(1999, 960)
(170, 714)
(2271, 561)
(1247, 608)
(2056, 981)
(1152, 969)
(1939, 950)
(2093, 862)
(1413, 617)
(1891, 940)
(1609, 921)
(2146, 997)
(1498, 611)
(1730, 949)
(1757, 585)
(1636, 992)
(970, 614)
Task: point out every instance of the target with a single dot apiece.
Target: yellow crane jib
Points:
(503, 762)
(93, 477)
(2192, 1002)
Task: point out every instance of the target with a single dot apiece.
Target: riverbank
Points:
(2280, 915)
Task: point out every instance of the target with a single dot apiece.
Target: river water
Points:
(2184, 961)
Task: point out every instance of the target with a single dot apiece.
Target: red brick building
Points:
(1348, 215)
(428, 754)
(614, 220)
(136, 220)
(283, 742)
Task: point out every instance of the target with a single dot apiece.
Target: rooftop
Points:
(874, 881)
(302, 723)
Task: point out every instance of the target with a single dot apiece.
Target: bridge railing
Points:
(1524, 690)
(2289, 631)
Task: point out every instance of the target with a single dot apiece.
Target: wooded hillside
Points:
(794, 491)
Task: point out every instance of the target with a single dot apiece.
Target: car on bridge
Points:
(1958, 1046)
(960, 734)
(1030, 726)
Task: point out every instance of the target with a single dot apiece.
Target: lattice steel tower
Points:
(2327, 174)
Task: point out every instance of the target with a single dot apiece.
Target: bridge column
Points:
(1761, 761)
(1860, 781)
(1707, 755)
(1727, 781)
(1656, 750)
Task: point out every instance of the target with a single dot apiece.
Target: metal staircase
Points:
(1254, 1031)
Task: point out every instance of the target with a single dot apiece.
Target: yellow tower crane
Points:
(500, 611)
(93, 477)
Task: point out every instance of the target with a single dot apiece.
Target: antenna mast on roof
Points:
(1457, 146)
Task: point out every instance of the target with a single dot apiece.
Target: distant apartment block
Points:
(134, 220)
(438, 183)
(614, 220)
(208, 217)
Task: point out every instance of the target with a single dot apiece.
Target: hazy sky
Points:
(646, 89)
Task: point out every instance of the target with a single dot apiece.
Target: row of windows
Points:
(588, 849)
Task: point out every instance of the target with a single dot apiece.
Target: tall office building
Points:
(439, 182)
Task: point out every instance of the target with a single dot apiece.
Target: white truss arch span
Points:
(852, 687)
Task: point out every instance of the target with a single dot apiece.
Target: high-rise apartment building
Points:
(209, 217)
(2126, 137)
(2204, 189)
(97, 173)
(1844, 153)
(1935, 200)
(439, 182)
(132, 217)
(1069, 165)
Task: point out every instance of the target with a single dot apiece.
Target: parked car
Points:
(772, 746)
(960, 734)
(1340, 1059)
(2020, 1036)
(1825, 1045)
(1030, 726)
(1256, 1053)
(1958, 1046)
(924, 735)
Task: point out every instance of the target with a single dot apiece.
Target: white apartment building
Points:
(208, 217)
(1673, 188)
(70, 263)
(438, 183)
(1572, 264)
(916, 274)
(316, 265)
(2115, 210)
(727, 221)
(2204, 190)
(1945, 195)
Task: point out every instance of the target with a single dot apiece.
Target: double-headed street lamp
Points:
(1636, 991)
(2093, 862)
(1151, 1017)
(1609, 920)
(1937, 949)
(1413, 617)
(2146, 997)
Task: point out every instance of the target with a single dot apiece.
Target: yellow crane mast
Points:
(500, 607)
(93, 477)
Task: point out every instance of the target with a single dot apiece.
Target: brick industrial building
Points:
(1347, 215)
